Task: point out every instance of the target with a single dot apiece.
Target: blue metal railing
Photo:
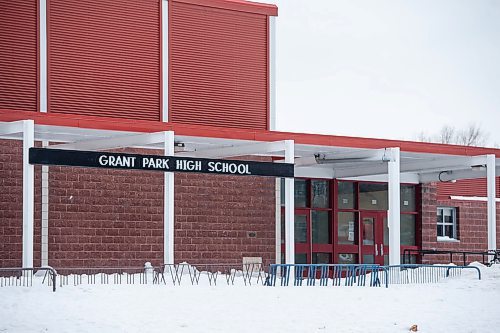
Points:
(418, 273)
(327, 274)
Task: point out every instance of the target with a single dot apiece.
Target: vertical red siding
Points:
(104, 58)
(218, 67)
(18, 55)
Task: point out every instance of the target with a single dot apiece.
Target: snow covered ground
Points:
(459, 305)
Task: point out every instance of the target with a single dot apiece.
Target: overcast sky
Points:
(388, 68)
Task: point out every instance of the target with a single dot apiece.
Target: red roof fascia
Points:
(237, 5)
(118, 124)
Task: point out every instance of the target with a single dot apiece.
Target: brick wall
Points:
(472, 229)
(105, 218)
(11, 205)
(215, 214)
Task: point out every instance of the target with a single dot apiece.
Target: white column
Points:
(492, 221)
(45, 213)
(164, 59)
(278, 220)
(394, 217)
(28, 193)
(43, 55)
(168, 204)
(289, 207)
(272, 73)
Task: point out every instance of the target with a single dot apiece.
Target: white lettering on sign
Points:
(188, 165)
(226, 167)
(117, 161)
(155, 163)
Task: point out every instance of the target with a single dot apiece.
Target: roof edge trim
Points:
(237, 5)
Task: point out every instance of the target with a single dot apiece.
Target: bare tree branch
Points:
(473, 135)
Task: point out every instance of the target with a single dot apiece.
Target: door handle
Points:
(376, 250)
(381, 249)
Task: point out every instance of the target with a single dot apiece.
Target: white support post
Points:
(492, 222)
(289, 207)
(45, 212)
(43, 55)
(28, 193)
(164, 59)
(394, 217)
(168, 204)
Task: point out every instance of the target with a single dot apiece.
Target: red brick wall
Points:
(104, 218)
(214, 215)
(11, 205)
(472, 226)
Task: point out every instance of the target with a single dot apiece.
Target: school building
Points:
(144, 130)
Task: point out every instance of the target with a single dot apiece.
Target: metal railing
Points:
(485, 255)
(325, 275)
(277, 274)
(250, 273)
(105, 275)
(422, 274)
(23, 277)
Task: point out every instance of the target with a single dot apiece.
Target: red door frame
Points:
(378, 249)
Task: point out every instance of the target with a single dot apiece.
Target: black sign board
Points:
(94, 159)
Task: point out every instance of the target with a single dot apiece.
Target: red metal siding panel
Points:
(104, 58)
(218, 67)
(18, 55)
(466, 187)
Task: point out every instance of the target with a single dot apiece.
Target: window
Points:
(446, 223)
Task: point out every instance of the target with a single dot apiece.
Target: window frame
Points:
(443, 224)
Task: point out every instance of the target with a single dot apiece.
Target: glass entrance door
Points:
(374, 238)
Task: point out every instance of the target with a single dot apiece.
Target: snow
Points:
(463, 304)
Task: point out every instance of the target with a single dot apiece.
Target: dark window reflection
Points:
(300, 193)
(320, 194)
(407, 198)
(300, 229)
(346, 198)
(321, 258)
(373, 196)
(407, 229)
(320, 227)
(300, 258)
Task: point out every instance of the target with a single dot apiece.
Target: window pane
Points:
(320, 194)
(300, 193)
(448, 231)
(300, 258)
(408, 229)
(368, 259)
(347, 229)
(368, 231)
(320, 227)
(321, 258)
(300, 229)
(348, 258)
(345, 195)
(440, 232)
(448, 216)
(373, 196)
(439, 215)
(407, 198)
